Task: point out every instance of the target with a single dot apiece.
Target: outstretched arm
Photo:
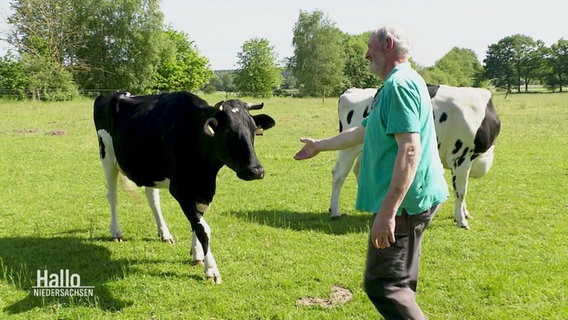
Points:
(343, 140)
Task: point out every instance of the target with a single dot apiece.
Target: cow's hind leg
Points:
(110, 167)
(153, 196)
(344, 163)
(460, 180)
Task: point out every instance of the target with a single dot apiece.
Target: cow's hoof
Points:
(116, 239)
(463, 224)
(216, 278)
(198, 263)
(335, 216)
(170, 241)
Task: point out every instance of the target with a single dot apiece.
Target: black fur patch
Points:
(432, 90)
(349, 117)
(102, 148)
(488, 130)
(462, 158)
(458, 145)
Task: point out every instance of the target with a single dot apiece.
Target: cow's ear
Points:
(264, 121)
(210, 126)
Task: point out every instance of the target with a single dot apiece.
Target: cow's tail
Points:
(130, 187)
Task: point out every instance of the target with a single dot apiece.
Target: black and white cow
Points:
(177, 141)
(467, 126)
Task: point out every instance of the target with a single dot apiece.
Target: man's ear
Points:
(389, 42)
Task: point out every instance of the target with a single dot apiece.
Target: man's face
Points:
(376, 56)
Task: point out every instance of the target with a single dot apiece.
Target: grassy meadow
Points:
(272, 238)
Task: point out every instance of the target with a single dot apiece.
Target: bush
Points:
(48, 81)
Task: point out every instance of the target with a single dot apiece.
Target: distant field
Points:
(272, 238)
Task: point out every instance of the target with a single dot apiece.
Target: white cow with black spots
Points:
(467, 126)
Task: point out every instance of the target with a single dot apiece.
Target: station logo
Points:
(62, 284)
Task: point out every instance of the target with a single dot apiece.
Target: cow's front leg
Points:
(194, 213)
(196, 251)
(196, 247)
(344, 163)
(201, 238)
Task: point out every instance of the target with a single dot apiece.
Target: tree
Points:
(318, 55)
(557, 63)
(356, 68)
(499, 64)
(434, 75)
(529, 59)
(105, 44)
(123, 49)
(47, 28)
(512, 61)
(458, 67)
(223, 81)
(289, 81)
(258, 74)
(45, 33)
(49, 81)
(12, 77)
(181, 66)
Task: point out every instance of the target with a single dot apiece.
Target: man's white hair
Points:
(402, 39)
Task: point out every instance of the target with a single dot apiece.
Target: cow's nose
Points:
(252, 173)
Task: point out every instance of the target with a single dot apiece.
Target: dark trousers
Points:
(391, 274)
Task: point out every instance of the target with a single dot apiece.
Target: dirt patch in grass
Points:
(26, 131)
(56, 133)
(339, 295)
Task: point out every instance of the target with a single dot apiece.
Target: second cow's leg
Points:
(343, 165)
(459, 181)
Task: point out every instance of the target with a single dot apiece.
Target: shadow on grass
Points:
(22, 257)
(303, 221)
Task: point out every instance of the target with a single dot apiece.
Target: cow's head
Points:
(233, 128)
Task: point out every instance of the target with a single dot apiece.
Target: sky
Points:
(219, 28)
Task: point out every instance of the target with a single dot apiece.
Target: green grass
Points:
(272, 238)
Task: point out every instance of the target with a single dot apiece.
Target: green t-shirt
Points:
(402, 105)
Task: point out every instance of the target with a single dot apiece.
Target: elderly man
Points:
(401, 177)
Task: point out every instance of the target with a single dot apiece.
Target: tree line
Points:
(63, 48)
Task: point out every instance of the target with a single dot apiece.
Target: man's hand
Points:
(308, 151)
(382, 231)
